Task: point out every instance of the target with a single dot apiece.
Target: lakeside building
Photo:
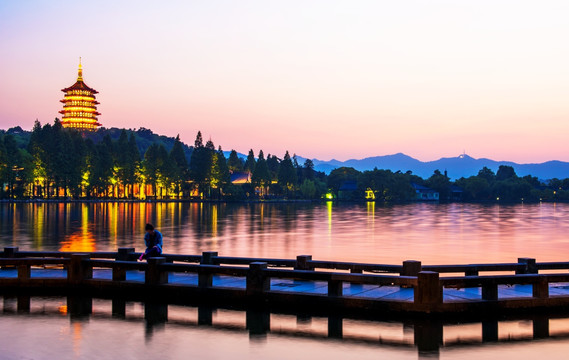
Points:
(79, 105)
(240, 177)
(348, 190)
(424, 193)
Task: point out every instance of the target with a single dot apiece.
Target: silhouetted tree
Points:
(250, 162)
(505, 172)
(287, 174)
(234, 162)
(177, 158)
(261, 176)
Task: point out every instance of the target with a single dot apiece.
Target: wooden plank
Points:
(212, 269)
(353, 278)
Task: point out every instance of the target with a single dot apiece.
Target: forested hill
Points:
(144, 138)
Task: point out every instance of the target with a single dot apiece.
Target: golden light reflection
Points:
(15, 225)
(371, 214)
(262, 216)
(79, 242)
(214, 221)
(113, 221)
(329, 211)
(39, 225)
(159, 214)
(82, 240)
(77, 327)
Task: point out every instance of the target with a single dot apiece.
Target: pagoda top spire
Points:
(80, 71)
(80, 84)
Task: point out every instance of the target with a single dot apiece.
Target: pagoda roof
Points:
(80, 85)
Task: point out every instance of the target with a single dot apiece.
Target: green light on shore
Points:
(329, 196)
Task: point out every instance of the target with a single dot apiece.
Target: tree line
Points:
(52, 162)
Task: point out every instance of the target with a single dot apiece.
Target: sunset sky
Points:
(322, 79)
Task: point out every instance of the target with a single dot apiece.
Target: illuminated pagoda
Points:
(79, 105)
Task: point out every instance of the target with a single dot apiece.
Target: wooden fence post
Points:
(125, 254)
(302, 262)
(530, 266)
(257, 282)
(335, 288)
(540, 289)
(153, 275)
(429, 290)
(490, 292)
(411, 268)
(24, 272)
(79, 270)
(10, 252)
(119, 273)
(205, 277)
(207, 257)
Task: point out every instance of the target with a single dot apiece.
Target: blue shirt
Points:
(155, 240)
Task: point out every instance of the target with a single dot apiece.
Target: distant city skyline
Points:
(322, 79)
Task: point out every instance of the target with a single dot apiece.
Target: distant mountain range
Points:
(456, 167)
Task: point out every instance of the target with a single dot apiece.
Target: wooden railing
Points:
(425, 280)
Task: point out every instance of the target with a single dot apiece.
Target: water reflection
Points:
(366, 232)
(81, 240)
(172, 331)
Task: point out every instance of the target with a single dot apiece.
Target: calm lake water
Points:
(48, 331)
(432, 233)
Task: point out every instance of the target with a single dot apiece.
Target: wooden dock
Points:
(409, 289)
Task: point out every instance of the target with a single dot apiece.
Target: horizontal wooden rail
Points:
(183, 258)
(355, 267)
(553, 266)
(474, 268)
(66, 254)
(32, 261)
(477, 281)
(111, 264)
(218, 260)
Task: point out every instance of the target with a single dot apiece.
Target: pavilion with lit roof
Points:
(79, 105)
